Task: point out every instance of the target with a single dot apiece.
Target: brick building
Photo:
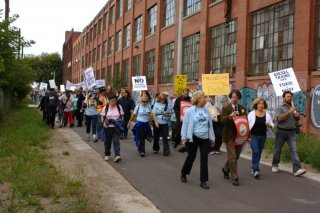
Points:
(245, 38)
(70, 38)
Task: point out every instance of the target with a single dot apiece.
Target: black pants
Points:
(173, 131)
(44, 116)
(217, 128)
(51, 115)
(204, 146)
(162, 131)
(79, 116)
(141, 140)
(178, 132)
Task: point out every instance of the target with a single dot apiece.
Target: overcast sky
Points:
(45, 21)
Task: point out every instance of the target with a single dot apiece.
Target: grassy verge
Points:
(308, 150)
(35, 184)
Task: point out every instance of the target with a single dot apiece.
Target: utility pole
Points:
(7, 9)
(180, 29)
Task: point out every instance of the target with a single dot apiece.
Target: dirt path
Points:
(105, 187)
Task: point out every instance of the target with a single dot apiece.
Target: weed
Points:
(66, 153)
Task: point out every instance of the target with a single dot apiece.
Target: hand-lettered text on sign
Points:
(215, 84)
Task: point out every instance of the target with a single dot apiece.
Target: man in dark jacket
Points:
(51, 104)
(177, 104)
(127, 105)
(79, 110)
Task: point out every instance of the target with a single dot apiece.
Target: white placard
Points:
(89, 76)
(284, 80)
(43, 86)
(139, 83)
(62, 88)
(70, 85)
(52, 83)
(34, 85)
(101, 83)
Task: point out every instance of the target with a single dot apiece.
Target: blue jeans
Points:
(283, 136)
(257, 144)
(112, 136)
(91, 119)
(125, 128)
(99, 126)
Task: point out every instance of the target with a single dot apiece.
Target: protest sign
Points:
(62, 88)
(183, 107)
(180, 82)
(284, 80)
(89, 77)
(139, 83)
(242, 127)
(215, 84)
(101, 83)
(34, 85)
(70, 85)
(43, 86)
(52, 83)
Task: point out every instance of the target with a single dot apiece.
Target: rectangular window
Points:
(118, 41)
(99, 26)
(167, 60)
(104, 49)
(110, 47)
(119, 9)
(169, 12)
(223, 48)
(111, 15)
(136, 65)
(128, 5)
(98, 52)
(83, 41)
(150, 63)
(94, 55)
(125, 71)
(109, 74)
(117, 72)
(191, 7)
(90, 58)
(105, 21)
(103, 73)
(190, 64)
(98, 74)
(82, 62)
(152, 20)
(126, 35)
(138, 29)
(87, 39)
(87, 60)
(90, 35)
(272, 38)
(94, 31)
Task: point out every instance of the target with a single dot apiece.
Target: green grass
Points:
(24, 162)
(308, 150)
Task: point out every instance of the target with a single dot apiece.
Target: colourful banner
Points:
(215, 84)
(180, 82)
(242, 127)
(183, 107)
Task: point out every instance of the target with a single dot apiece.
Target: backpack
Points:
(52, 101)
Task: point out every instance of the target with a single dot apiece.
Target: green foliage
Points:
(308, 150)
(46, 66)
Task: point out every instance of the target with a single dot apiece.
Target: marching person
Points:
(127, 105)
(229, 134)
(79, 112)
(92, 115)
(287, 117)
(67, 103)
(161, 114)
(197, 131)
(142, 129)
(50, 105)
(176, 108)
(102, 102)
(111, 115)
(259, 122)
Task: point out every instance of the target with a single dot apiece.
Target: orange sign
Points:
(242, 126)
(183, 107)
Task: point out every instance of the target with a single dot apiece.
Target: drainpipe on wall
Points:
(180, 29)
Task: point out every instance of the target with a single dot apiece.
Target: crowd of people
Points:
(206, 124)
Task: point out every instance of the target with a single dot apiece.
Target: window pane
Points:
(191, 56)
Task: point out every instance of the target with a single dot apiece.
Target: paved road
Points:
(158, 178)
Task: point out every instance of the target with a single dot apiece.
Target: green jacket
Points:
(229, 131)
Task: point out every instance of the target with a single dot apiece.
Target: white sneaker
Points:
(94, 136)
(275, 169)
(212, 153)
(106, 158)
(117, 159)
(299, 172)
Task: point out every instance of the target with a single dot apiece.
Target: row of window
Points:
(271, 48)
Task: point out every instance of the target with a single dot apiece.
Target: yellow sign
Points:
(180, 82)
(215, 84)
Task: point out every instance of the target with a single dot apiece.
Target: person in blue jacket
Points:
(197, 131)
